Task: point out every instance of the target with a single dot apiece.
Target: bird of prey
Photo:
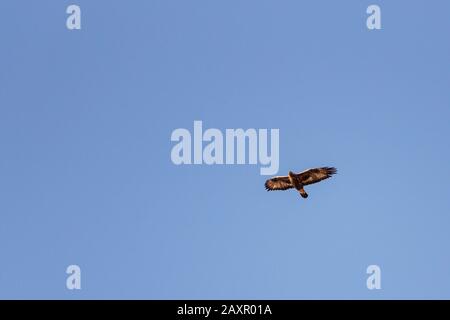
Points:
(297, 181)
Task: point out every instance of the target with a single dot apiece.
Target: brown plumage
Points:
(299, 180)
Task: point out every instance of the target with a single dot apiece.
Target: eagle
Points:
(299, 180)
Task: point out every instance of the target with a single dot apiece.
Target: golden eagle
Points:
(299, 180)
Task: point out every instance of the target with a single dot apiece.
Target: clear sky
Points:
(86, 176)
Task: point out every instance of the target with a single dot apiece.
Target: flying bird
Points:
(299, 180)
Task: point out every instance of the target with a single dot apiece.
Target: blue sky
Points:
(86, 176)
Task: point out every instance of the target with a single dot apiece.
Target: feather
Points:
(278, 183)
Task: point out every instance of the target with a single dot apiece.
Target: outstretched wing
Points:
(315, 175)
(278, 183)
